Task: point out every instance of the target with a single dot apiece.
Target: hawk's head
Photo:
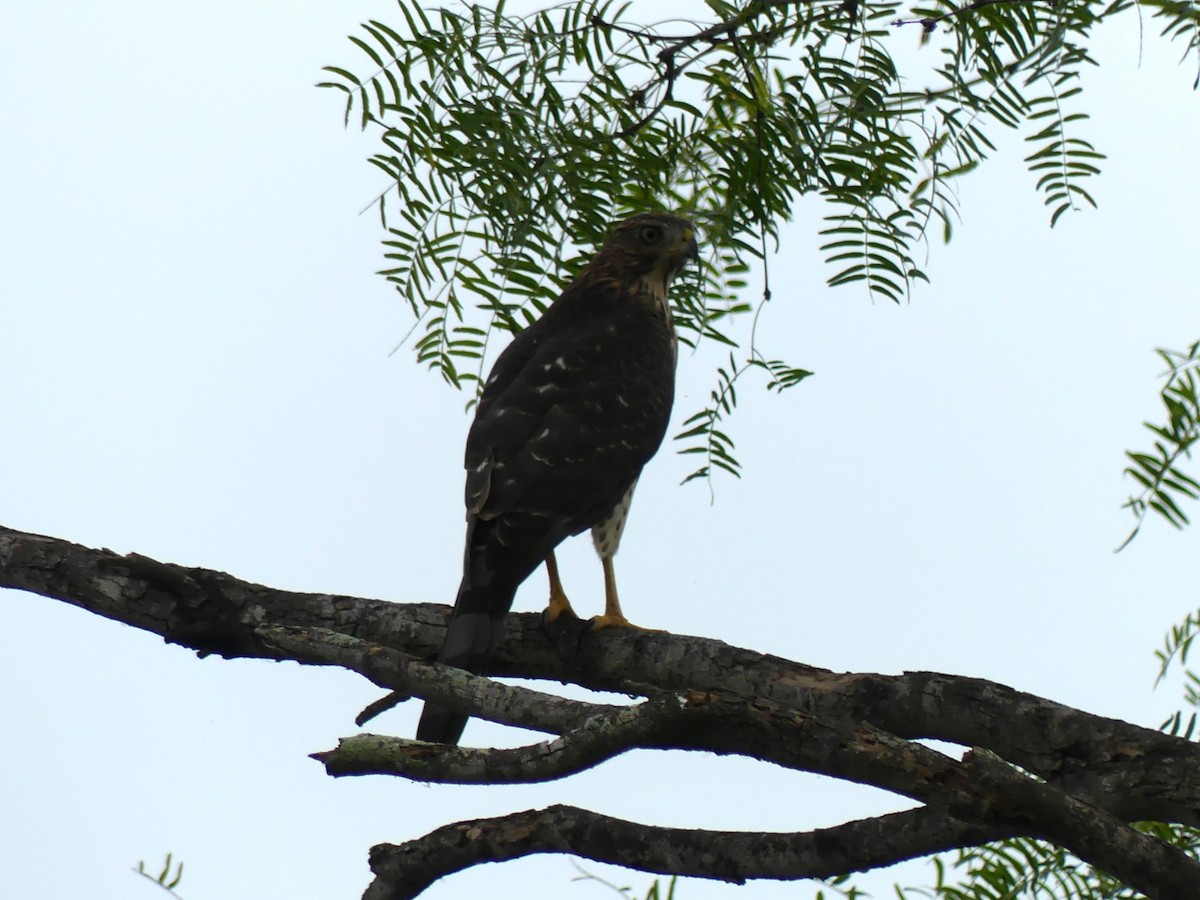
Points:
(650, 247)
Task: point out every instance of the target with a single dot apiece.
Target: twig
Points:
(930, 23)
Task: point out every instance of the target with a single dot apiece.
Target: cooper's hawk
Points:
(572, 410)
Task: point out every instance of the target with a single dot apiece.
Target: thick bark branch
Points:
(1098, 772)
(404, 870)
(207, 611)
(1139, 860)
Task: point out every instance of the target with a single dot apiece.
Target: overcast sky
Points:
(194, 366)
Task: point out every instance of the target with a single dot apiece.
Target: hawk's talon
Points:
(558, 617)
(566, 632)
(557, 608)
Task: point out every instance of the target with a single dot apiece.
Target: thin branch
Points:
(445, 685)
(930, 23)
(715, 35)
(694, 720)
(711, 34)
(596, 740)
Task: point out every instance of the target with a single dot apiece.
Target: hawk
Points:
(573, 409)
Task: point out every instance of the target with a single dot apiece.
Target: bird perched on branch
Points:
(573, 409)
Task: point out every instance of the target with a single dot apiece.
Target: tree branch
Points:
(692, 720)
(982, 788)
(207, 611)
(445, 685)
(930, 23)
(677, 47)
(1133, 772)
(405, 870)
(695, 720)
(1146, 774)
(704, 694)
(1139, 860)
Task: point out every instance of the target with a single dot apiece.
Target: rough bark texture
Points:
(1036, 768)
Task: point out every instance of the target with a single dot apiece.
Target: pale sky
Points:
(194, 366)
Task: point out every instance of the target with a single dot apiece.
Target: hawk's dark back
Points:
(571, 412)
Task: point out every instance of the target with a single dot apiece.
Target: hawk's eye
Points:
(651, 234)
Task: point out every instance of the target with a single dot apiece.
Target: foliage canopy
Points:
(511, 142)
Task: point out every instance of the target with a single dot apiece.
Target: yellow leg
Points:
(559, 604)
(613, 617)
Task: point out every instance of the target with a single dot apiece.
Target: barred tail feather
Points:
(474, 630)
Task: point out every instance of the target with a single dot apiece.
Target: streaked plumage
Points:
(573, 409)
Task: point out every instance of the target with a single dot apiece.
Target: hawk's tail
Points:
(471, 636)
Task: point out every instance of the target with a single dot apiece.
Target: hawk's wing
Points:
(564, 425)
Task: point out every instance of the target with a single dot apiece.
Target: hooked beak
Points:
(691, 250)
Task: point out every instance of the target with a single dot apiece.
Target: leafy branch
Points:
(931, 22)
(166, 879)
(1164, 484)
(1176, 646)
(510, 143)
(1038, 870)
